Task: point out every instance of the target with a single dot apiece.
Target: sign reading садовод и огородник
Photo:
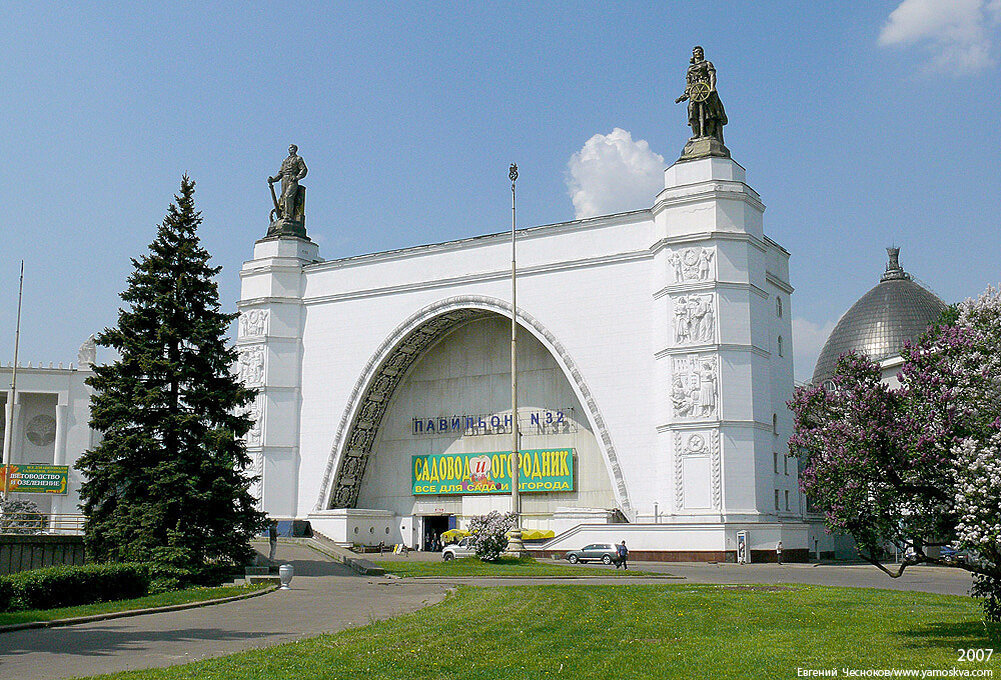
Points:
(539, 470)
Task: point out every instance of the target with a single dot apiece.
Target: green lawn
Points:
(161, 600)
(640, 632)
(474, 566)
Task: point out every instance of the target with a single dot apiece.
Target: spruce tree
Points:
(167, 483)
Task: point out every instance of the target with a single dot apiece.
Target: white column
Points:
(59, 455)
(8, 429)
(12, 428)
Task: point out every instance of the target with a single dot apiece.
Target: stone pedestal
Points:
(270, 350)
(703, 147)
(724, 378)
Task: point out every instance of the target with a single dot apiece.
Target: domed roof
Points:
(897, 310)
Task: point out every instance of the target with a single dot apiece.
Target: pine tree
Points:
(167, 483)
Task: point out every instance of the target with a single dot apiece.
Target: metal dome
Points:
(897, 310)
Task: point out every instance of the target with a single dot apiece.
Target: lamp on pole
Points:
(8, 440)
(514, 544)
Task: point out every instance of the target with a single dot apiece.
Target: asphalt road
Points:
(327, 597)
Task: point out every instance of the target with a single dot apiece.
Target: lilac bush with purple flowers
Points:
(490, 534)
(918, 466)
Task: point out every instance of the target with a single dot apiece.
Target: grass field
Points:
(474, 566)
(639, 632)
(161, 600)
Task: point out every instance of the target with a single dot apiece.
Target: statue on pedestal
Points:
(706, 115)
(288, 217)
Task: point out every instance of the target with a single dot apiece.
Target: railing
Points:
(28, 523)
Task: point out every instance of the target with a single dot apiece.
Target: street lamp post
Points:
(8, 440)
(514, 546)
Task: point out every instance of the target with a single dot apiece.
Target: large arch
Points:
(382, 374)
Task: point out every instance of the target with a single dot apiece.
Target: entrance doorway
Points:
(434, 527)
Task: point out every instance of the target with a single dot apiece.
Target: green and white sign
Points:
(34, 478)
(539, 470)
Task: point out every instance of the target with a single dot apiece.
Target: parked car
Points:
(463, 548)
(958, 556)
(603, 552)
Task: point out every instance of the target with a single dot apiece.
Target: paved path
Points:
(942, 580)
(328, 597)
(325, 597)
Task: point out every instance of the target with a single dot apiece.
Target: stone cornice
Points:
(724, 347)
(270, 300)
(711, 190)
(271, 264)
(497, 274)
(708, 286)
(709, 236)
(599, 222)
(702, 425)
(779, 283)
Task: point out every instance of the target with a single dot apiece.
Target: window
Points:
(777, 500)
(778, 306)
(780, 346)
(775, 423)
(787, 501)
(785, 464)
(775, 461)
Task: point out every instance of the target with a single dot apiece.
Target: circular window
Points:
(387, 531)
(41, 430)
(371, 530)
(356, 530)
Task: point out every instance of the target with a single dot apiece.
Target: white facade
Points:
(664, 334)
(50, 425)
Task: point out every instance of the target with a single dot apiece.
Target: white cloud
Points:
(808, 339)
(612, 173)
(956, 33)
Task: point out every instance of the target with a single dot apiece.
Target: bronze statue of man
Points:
(292, 170)
(705, 110)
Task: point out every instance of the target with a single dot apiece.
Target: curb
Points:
(357, 564)
(665, 577)
(131, 612)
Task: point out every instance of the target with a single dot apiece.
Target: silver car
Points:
(463, 548)
(606, 553)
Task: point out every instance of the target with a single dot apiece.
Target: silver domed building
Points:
(895, 311)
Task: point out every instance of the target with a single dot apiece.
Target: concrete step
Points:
(262, 578)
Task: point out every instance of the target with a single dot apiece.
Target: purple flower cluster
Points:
(915, 466)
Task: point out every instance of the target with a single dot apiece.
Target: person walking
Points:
(778, 552)
(272, 539)
(623, 553)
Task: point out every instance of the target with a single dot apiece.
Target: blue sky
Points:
(861, 124)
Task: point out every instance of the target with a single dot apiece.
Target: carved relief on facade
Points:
(257, 489)
(695, 386)
(694, 318)
(254, 322)
(255, 410)
(251, 366)
(703, 444)
(693, 264)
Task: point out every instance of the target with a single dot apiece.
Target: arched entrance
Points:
(382, 376)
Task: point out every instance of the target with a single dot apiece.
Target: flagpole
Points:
(9, 424)
(514, 546)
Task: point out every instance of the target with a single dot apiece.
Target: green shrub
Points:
(6, 593)
(67, 586)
